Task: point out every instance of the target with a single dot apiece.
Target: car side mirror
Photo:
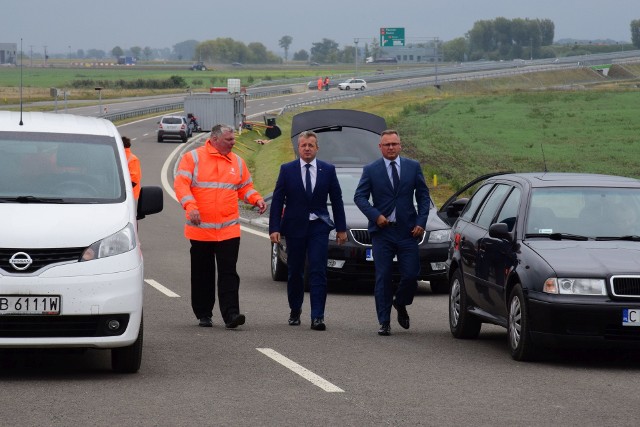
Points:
(151, 201)
(500, 230)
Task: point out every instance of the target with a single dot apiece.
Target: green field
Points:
(458, 135)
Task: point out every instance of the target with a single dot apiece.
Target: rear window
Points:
(172, 120)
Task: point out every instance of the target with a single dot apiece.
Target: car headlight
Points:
(568, 286)
(116, 244)
(439, 236)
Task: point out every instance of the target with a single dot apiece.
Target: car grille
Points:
(361, 236)
(625, 286)
(40, 258)
(60, 326)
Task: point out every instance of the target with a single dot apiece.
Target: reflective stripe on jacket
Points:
(212, 183)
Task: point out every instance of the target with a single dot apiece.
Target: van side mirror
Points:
(151, 201)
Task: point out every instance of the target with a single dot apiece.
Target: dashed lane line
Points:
(300, 370)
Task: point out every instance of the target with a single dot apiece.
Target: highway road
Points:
(269, 373)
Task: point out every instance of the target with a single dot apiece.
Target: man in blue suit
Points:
(303, 186)
(394, 225)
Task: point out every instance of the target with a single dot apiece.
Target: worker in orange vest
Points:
(208, 184)
(134, 167)
(319, 83)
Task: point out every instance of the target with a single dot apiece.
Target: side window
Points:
(490, 207)
(473, 204)
(509, 210)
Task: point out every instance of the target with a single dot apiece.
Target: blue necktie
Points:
(395, 176)
(307, 182)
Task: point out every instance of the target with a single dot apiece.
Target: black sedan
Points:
(349, 140)
(353, 261)
(552, 257)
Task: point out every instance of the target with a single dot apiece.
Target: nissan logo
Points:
(20, 261)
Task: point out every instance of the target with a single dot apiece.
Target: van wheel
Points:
(127, 360)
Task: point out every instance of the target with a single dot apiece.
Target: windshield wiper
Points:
(31, 199)
(558, 236)
(630, 237)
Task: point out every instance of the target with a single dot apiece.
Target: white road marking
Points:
(303, 372)
(168, 292)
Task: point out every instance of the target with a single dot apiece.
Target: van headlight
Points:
(569, 286)
(116, 244)
(439, 236)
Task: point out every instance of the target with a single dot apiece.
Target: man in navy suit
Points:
(394, 225)
(303, 186)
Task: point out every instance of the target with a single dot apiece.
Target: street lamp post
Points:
(355, 41)
(99, 89)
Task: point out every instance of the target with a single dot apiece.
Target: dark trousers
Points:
(387, 243)
(205, 256)
(312, 247)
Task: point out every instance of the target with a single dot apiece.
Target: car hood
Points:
(589, 258)
(33, 225)
(356, 219)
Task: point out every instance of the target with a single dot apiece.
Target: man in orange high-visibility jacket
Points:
(134, 167)
(208, 184)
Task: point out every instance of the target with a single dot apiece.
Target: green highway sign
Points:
(391, 37)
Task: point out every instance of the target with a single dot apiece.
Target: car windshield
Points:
(59, 168)
(580, 211)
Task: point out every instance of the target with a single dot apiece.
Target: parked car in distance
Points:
(199, 66)
(313, 85)
(237, 64)
(173, 127)
(355, 84)
(71, 268)
(551, 257)
(349, 140)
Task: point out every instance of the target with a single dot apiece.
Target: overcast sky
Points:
(68, 25)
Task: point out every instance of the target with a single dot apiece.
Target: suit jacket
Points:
(290, 191)
(375, 184)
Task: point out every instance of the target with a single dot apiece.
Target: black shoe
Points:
(205, 322)
(385, 329)
(403, 316)
(318, 325)
(236, 320)
(294, 318)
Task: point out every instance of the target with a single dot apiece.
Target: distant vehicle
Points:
(236, 64)
(126, 60)
(354, 84)
(371, 60)
(314, 64)
(174, 127)
(199, 66)
(314, 84)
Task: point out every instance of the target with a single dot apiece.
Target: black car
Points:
(552, 257)
(349, 140)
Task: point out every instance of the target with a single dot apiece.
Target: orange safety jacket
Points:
(212, 183)
(135, 171)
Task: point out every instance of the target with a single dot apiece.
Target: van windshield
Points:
(64, 168)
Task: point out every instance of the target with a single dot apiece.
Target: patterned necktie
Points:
(307, 182)
(395, 176)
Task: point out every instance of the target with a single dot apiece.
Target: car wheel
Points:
(347, 88)
(461, 323)
(520, 342)
(362, 88)
(278, 268)
(439, 286)
(127, 360)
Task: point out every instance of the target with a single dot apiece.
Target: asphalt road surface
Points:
(269, 373)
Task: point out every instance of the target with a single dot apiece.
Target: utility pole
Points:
(355, 41)
(45, 56)
(30, 56)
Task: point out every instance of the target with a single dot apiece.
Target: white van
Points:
(71, 269)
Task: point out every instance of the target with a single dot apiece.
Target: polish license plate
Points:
(29, 304)
(630, 317)
(369, 255)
